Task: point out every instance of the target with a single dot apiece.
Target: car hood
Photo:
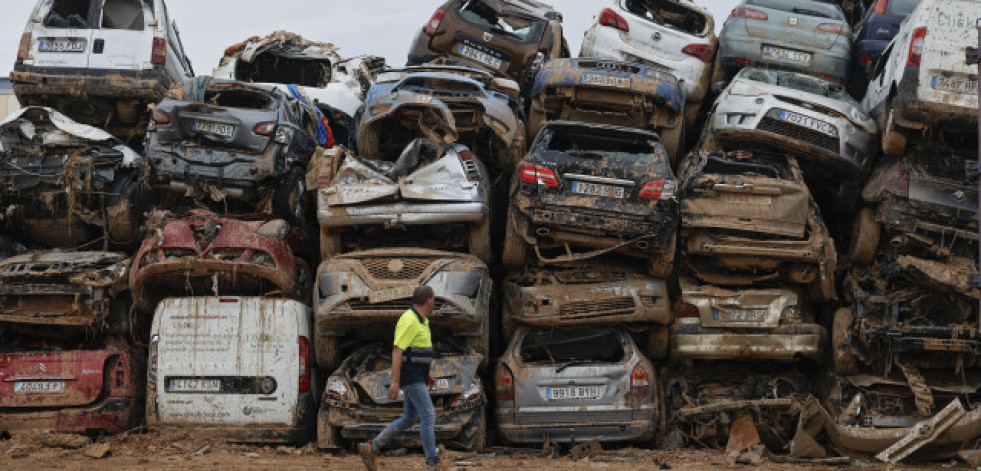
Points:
(46, 127)
(814, 101)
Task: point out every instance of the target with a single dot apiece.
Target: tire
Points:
(328, 352)
(125, 205)
(865, 238)
(290, 200)
(662, 266)
(893, 141)
(478, 241)
(515, 253)
(673, 141)
(330, 244)
(842, 357)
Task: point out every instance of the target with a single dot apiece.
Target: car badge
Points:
(488, 37)
(793, 21)
(40, 367)
(395, 265)
(656, 36)
(959, 194)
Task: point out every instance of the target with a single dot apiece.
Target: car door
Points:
(123, 39)
(58, 39)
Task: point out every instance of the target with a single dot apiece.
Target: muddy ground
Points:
(152, 451)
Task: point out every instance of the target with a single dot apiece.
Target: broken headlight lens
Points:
(339, 389)
(745, 89)
(262, 259)
(469, 396)
(791, 315)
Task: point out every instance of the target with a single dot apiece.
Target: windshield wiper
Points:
(581, 361)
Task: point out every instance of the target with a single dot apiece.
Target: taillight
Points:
(537, 175)
(702, 51)
(265, 129)
(160, 117)
(682, 310)
(470, 395)
(880, 6)
(897, 183)
(24, 49)
(304, 364)
(657, 190)
(749, 13)
(434, 22)
(504, 384)
(916, 47)
(159, 56)
(465, 155)
(835, 28)
(640, 378)
(610, 18)
(866, 60)
(151, 371)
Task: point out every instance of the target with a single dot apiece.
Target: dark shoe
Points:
(369, 455)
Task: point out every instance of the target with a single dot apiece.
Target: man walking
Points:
(411, 356)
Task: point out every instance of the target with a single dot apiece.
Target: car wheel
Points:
(128, 200)
(515, 253)
(657, 343)
(893, 140)
(674, 142)
(662, 265)
(865, 238)
(842, 356)
(327, 352)
(290, 199)
(479, 241)
(330, 244)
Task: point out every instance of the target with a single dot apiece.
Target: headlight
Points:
(339, 389)
(745, 89)
(276, 229)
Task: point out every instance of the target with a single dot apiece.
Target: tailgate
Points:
(748, 308)
(63, 378)
(761, 205)
(218, 126)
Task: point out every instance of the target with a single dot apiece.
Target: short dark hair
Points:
(422, 294)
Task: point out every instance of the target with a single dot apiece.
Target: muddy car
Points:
(574, 385)
(713, 323)
(356, 407)
(610, 92)
(511, 38)
(749, 219)
(236, 142)
(203, 253)
(431, 194)
(923, 203)
(599, 187)
(70, 385)
(598, 293)
(483, 109)
(813, 118)
(65, 184)
(374, 287)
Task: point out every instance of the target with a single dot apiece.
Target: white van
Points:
(99, 61)
(8, 101)
(921, 80)
(236, 367)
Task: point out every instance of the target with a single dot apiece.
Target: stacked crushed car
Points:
(695, 238)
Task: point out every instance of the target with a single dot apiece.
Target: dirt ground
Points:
(154, 451)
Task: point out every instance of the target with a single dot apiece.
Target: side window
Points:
(125, 14)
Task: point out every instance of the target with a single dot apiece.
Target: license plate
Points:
(572, 392)
(740, 315)
(954, 84)
(808, 122)
(194, 385)
(595, 189)
(770, 52)
(388, 294)
(61, 45)
(747, 199)
(607, 81)
(482, 57)
(442, 383)
(39, 387)
(223, 130)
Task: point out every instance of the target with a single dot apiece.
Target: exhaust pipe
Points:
(542, 231)
(898, 241)
(642, 245)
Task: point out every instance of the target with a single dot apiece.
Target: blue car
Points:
(872, 35)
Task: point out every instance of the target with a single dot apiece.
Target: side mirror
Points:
(719, 87)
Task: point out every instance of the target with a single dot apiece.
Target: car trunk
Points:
(227, 361)
(795, 23)
(498, 36)
(226, 118)
(944, 74)
(739, 309)
(673, 22)
(373, 375)
(54, 376)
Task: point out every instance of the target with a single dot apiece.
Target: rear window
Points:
(802, 7)
(125, 14)
(588, 141)
(901, 7)
(115, 14)
(240, 98)
(801, 82)
(518, 28)
(558, 346)
(673, 15)
(68, 14)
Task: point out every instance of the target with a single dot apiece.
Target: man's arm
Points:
(393, 390)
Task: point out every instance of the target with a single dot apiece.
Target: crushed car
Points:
(356, 407)
(573, 385)
(65, 184)
(748, 218)
(433, 192)
(236, 142)
(374, 288)
(202, 253)
(610, 92)
(483, 109)
(593, 187)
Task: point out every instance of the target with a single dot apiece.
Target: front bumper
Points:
(738, 50)
(576, 427)
(400, 213)
(109, 416)
(784, 343)
(342, 313)
(459, 427)
(149, 85)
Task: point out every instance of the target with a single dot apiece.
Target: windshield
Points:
(802, 7)
(801, 82)
(518, 28)
(587, 345)
(239, 98)
(901, 7)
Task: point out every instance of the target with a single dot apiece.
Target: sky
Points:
(374, 27)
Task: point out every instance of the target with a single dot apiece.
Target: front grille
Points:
(811, 106)
(442, 306)
(792, 131)
(600, 307)
(589, 277)
(405, 268)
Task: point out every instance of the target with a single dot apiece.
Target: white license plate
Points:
(954, 85)
(808, 122)
(442, 383)
(482, 57)
(61, 45)
(770, 52)
(572, 392)
(607, 81)
(740, 315)
(595, 189)
(194, 385)
(39, 387)
(388, 294)
(223, 130)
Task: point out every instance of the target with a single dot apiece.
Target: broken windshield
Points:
(519, 28)
(668, 13)
(239, 98)
(584, 142)
(801, 82)
(572, 346)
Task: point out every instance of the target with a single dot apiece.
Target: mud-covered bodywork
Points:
(749, 218)
(53, 290)
(70, 386)
(428, 189)
(610, 92)
(64, 184)
(599, 187)
(356, 407)
(373, 288)
(483, 110)
(713, 323)
(574, 385)
(201, 252)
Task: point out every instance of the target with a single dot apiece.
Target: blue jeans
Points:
(417, 403)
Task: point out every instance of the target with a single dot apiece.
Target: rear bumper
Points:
(785, 343)
(640, 302)
(625, 428)
(176, 168)
(112, 415)
(913, 109)
(401, 213)
(150, 85)
(459, 427)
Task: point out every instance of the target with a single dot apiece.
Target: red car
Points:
(195, 253)
(64, 386)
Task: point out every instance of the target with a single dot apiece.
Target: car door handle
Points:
(98, 46)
